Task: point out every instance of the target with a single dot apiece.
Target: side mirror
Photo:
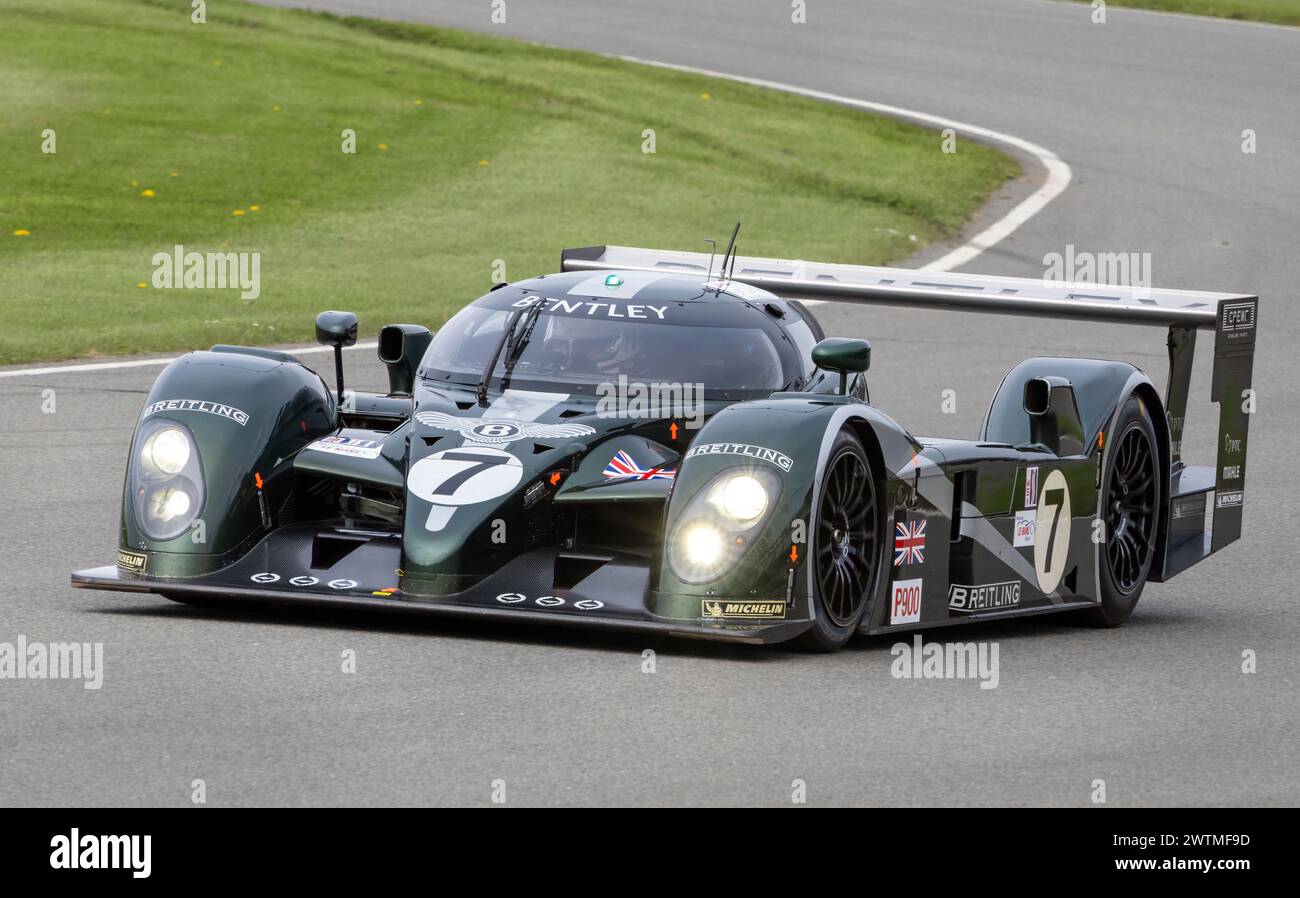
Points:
(842, 354)
(401, 346)
(337, 329)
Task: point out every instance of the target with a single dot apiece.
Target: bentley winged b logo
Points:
(494, 431)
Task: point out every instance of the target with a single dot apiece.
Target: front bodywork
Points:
(509, 506)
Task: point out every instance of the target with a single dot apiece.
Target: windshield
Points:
(580, 351)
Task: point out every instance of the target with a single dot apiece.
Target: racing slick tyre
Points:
(1130, 505)
(845, 540)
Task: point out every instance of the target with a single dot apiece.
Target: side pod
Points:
(785, 441)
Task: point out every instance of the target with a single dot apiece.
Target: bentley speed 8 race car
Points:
(642, 443)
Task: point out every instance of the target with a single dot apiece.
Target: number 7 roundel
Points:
(464, 476)
(1052, 532)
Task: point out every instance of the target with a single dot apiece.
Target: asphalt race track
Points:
(1147, 109)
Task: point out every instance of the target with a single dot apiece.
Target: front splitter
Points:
(563, 608)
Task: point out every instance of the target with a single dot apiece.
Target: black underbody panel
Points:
(305, 565)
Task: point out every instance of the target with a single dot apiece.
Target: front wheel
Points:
(1131, 497)
(845, 545)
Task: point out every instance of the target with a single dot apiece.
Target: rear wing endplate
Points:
(1232, 317)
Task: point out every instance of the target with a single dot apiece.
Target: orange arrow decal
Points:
(794, 553)
(555, 478)
(257, 478)
(673, 430)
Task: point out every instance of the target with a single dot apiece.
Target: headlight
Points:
(742, 497)
(703, 544)
(166, 480)
(717, 524)
(166, 452)
(167, 503)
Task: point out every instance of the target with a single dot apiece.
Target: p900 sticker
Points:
(905, 602)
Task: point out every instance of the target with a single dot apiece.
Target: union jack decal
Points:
(623, 467)
(909, 542)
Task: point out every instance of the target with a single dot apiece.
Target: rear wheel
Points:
(845, 545)
(1131, 501)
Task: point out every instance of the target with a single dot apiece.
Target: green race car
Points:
(642, 443)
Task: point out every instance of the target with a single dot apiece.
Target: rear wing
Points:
(1232, 317)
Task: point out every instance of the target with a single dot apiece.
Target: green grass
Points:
(495, 150)
(1281, 12)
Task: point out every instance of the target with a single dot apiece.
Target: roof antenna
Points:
(730, 247)
(712, 252)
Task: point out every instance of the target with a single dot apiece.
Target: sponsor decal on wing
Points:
(1238, 317)
(719, 609)
(623, 467)
(905, 602)
(1031, 487)
(135, 562)
(1229, 500)
(780, 459)
(197, 405)
(984, 597)
(1026, 522)
(909, 542)
(349, 446)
